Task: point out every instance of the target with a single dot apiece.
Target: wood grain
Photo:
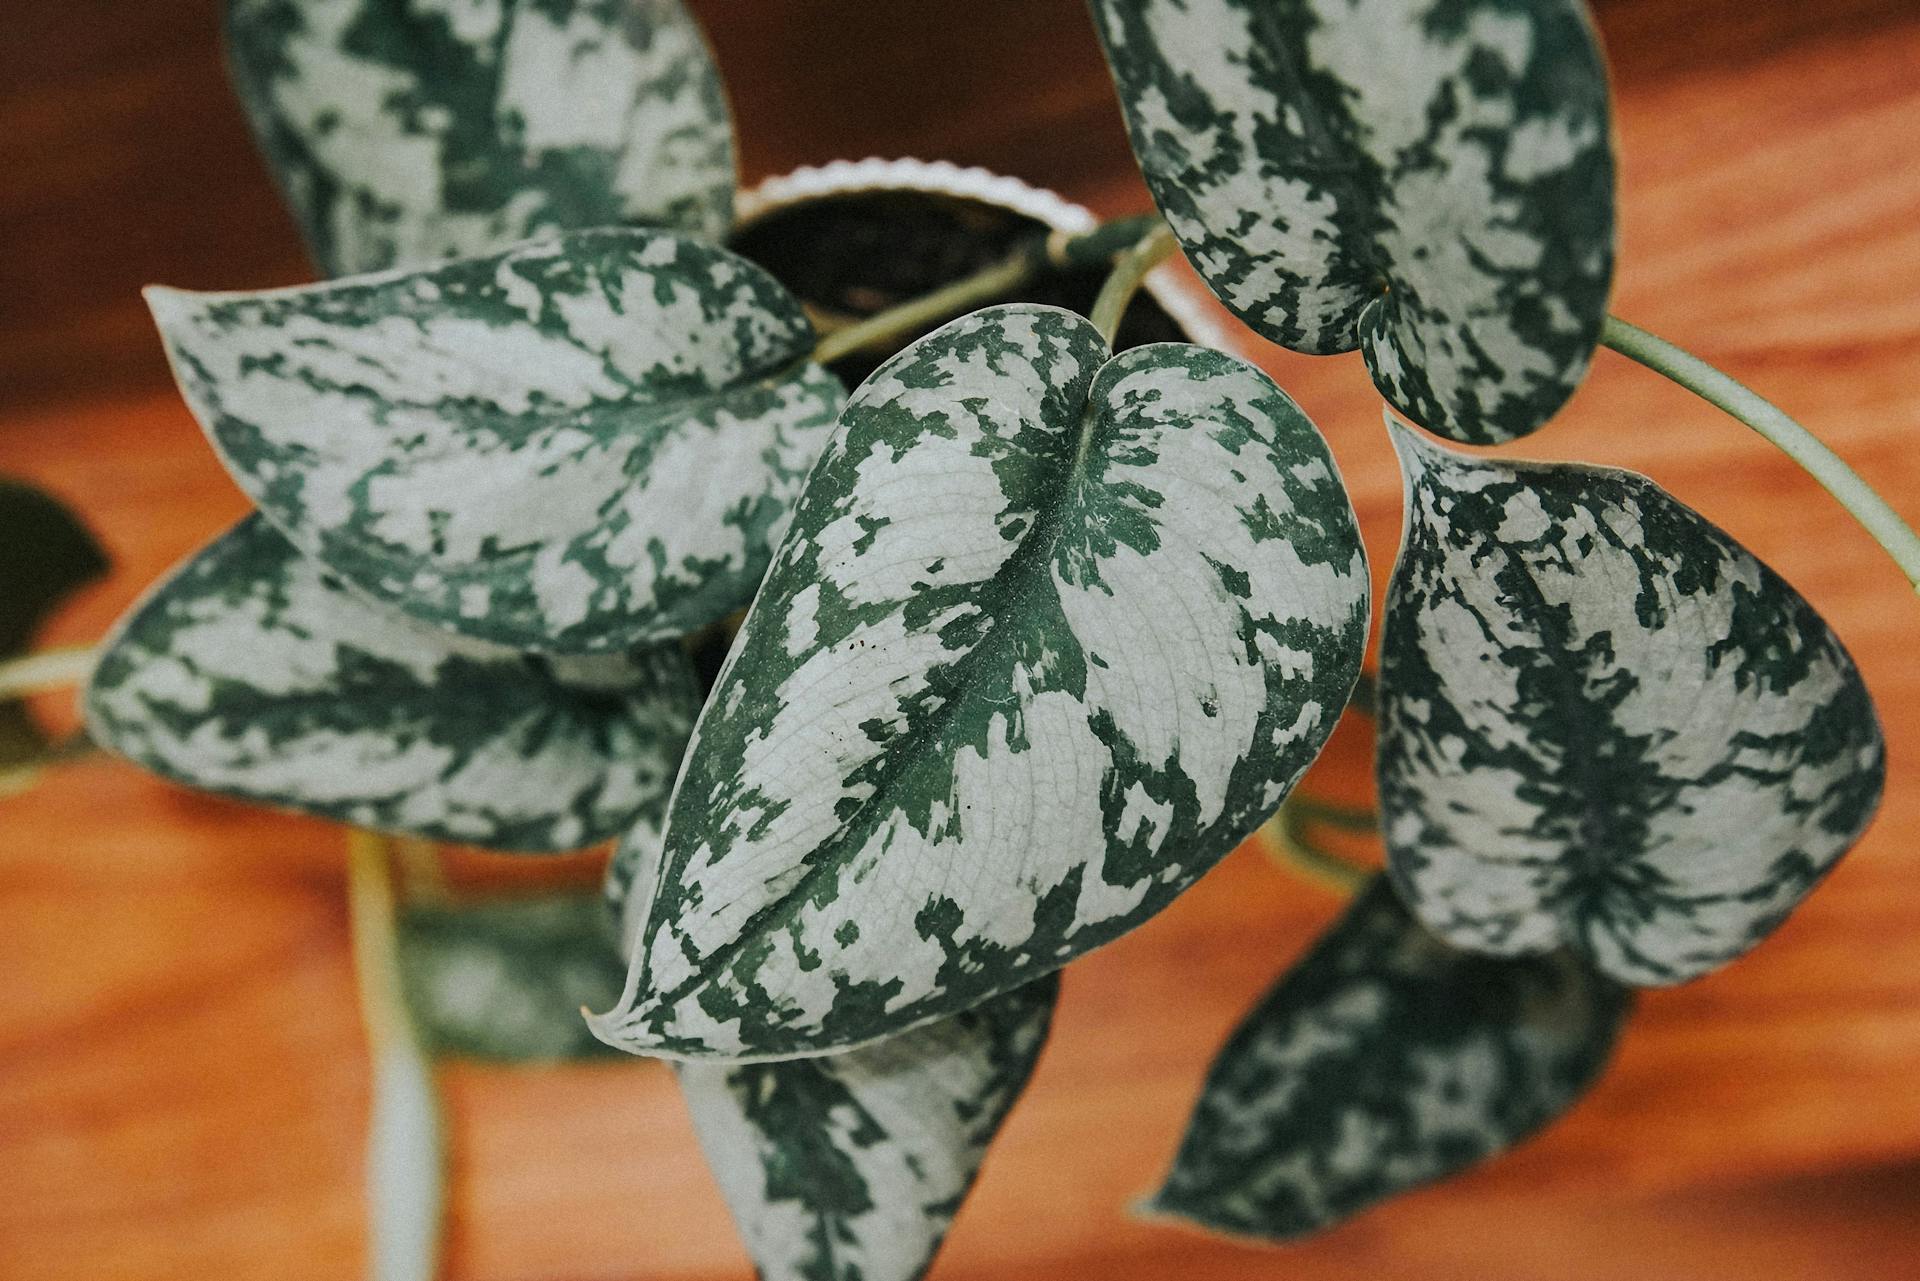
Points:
(181, 1080)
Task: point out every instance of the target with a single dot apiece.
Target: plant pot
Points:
(855, 237)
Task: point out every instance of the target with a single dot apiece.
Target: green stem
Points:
(1345, 818)
(18, 777)
(423, 878)
(895, 324)
(1129, 272)
(47, 670)
(1799, 444)
(406, 1165)
(1286, 843)
(909, 318)
(1285, 836)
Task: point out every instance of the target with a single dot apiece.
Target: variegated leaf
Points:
(1430, 180)
(576, 446)
(1051, 632)
(46, 554)
(1605, 723)
(251, 672)
(507, 979)
(1384, 1060)
(406, 131)
(849, 1167)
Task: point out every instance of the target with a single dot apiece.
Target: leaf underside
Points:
(506, 980)
(1051, 632)
(574, 446)
(1604, 723)
(1385, 1060)
(251, 672)
(404, 132)
(849, 1167)
(1429, 180)
(47, 553)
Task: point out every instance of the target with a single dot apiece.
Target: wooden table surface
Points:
(182, 1085)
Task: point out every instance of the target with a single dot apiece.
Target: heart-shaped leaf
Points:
(1429, 180)
(252, 673)
(576, 446)
(506, 980)
(1051, 632)
(404, 131)
(1604, 723)
(1384, 1060)
(849, 1167)
(46, 554)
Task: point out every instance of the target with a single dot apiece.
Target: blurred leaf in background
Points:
(46, 555)
(505, 980)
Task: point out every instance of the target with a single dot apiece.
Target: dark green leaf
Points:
(1386, 1059)
(46, 554)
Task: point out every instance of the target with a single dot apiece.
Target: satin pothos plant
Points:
(1035, 630)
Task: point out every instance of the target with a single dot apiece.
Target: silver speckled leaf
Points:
(575, 446)
(1050, 633)
(1384, 1060)
(1604, 723)
(506, 979)
(250, 672)
(406, 131)
(1429, 180)
(849, 1167)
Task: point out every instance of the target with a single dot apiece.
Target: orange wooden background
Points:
(181, 1080)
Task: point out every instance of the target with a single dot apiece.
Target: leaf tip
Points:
(1408, 441)
(171, 308)
(1150, 1208)
(607, 1026)
(1166, 1208)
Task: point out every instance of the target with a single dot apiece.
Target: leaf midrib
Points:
(1027, 561)
(661, 418)
(1587, 775)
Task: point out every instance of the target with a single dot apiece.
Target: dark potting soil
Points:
(851, 255)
